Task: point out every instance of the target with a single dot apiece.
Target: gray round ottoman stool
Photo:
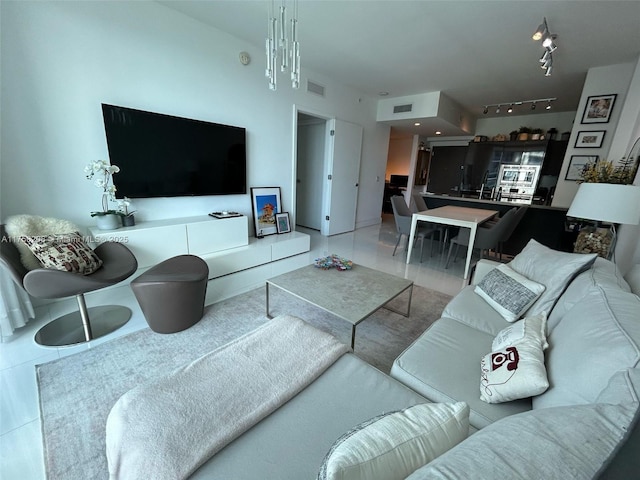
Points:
(171, 294)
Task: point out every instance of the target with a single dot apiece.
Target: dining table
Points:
(456, 216)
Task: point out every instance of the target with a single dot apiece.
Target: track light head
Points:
(540, 31)
(548, 74)
(510, 109)
(498, 109)
(548, 107)
(548, 63)
(486, 110)
(533, 106)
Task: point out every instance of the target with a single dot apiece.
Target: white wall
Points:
(399, 158)
(600, 81)
(61, 60)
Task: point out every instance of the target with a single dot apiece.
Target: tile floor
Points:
(21, 454)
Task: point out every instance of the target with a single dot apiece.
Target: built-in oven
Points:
(517, 183)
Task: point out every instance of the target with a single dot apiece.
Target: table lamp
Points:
(604, 202)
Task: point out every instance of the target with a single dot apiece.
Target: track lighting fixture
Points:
(548, 42)
(518, 103)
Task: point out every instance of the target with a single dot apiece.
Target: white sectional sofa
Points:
(571, 429)
(581, 424)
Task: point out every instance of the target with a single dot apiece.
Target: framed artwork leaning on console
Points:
(265, 204)
(282, 222)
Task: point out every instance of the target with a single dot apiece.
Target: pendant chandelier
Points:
(283, 47)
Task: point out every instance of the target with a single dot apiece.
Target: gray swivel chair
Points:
(86, 323)
(402, 216)
(486, 238)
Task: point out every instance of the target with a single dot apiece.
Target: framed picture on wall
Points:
(598, 108)
(577, 164)
(590, 139)
(282, 222)
(265, 204)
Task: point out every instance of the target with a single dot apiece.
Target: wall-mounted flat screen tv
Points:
(165, 156)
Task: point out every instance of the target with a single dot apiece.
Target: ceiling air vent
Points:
(403, 108)
(315, 88)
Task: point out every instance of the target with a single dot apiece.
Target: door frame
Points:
(294, 154)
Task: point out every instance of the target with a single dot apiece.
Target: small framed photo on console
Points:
(282, 222)
(265, 202)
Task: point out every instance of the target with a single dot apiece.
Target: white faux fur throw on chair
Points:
(34, 226)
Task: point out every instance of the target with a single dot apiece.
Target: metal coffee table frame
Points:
(352, 295)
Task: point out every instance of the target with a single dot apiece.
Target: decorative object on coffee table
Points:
(265, 203)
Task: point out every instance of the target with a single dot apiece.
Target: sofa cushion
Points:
(551, 268)
(395, 444)
(602, 273)
(600, 335)
(471, 309)
(509, 293)
(623, 387)
(443, 365)
(567, 442)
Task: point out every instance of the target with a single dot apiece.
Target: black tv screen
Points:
(166, 156)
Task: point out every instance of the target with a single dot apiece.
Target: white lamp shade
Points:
(607, 202)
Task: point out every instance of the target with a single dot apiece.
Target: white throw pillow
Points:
(509, 293)
(530, 329)
(551, 268)
(393, 445)
(515, 372)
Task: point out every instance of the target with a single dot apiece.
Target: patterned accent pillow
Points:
(514, 372)
(66, 252)
(509, 293)
(393, 445)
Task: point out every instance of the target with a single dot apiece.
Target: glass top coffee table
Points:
(351, 295)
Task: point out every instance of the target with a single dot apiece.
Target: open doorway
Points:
(310, 158)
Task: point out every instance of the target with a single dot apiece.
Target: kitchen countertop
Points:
(491, 202)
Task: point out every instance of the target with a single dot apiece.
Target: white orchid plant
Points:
(101, 172)
(123, 206)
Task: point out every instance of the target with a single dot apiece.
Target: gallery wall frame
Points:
(590, 139)
(598, 108)
(265, 204)
(577, 163)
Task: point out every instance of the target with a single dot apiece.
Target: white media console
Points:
(236, 262)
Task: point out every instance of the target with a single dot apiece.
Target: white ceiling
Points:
(476, 52)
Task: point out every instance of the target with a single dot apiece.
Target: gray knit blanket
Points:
(168, 428)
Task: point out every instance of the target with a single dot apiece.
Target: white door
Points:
(341, 193)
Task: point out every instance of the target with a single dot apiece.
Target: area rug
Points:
(77, 392)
